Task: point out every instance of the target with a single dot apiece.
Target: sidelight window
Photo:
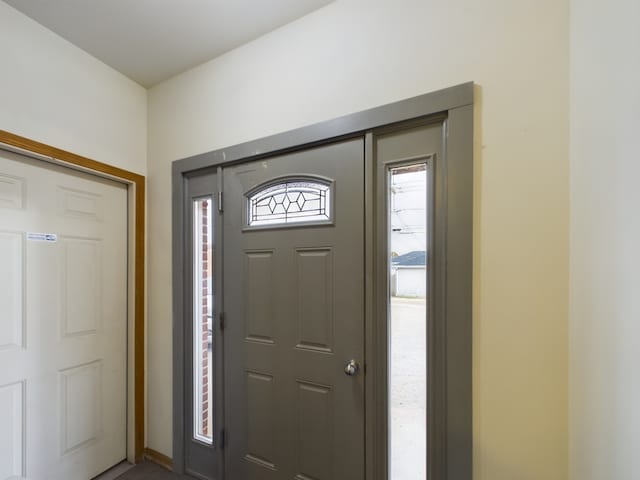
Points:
(203, 310)
(407, 220)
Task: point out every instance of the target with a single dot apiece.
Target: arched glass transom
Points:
(290, 201)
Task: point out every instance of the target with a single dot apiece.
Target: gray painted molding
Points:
(452, 409)
(355, 123)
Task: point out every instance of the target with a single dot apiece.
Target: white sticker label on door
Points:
(42, 237)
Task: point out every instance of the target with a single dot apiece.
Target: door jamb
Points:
(135, 184)
(455, 104)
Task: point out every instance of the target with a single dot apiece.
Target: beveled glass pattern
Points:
(293, 201)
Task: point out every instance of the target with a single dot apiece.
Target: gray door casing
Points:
(201, 460)
(448, 113)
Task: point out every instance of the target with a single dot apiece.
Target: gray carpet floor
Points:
(150, 471)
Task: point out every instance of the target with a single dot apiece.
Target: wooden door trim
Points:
(158, 458)
(137, 183)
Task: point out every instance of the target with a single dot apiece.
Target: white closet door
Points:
(63, 321)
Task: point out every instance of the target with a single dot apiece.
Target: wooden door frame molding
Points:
(136, 190)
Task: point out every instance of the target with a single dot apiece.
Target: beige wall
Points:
(53, 92)
(356, 54)
(605, 240)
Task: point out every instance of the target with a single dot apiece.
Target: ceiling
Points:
(152, 40)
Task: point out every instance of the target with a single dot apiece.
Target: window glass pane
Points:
(203, 311)
(293, 201)
(407, 197)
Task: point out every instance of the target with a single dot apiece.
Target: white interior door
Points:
(63, 321)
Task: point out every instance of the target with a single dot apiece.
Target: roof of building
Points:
(412, 259)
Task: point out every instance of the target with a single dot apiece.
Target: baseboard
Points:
(159, 458)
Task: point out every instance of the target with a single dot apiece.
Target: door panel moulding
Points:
(451, 408)
(136, 247)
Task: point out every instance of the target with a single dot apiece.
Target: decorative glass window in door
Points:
(292, 200)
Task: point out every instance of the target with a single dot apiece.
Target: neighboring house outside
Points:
(408, 236)
(409, 275)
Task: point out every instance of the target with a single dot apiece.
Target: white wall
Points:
(356, 54)
(53, 92)
(605, 240)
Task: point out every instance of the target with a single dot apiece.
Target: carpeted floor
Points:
(150, 471)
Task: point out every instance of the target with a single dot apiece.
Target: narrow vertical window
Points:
(407, 220)
(203, 312)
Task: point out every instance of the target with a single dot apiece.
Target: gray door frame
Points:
(449, 379)
(196, 456)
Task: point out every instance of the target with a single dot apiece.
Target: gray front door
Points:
(294, 315)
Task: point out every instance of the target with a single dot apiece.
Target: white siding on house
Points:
(409, 282)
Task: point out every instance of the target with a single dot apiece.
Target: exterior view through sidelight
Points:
(407, 199)
(203, 310)
(322, 300)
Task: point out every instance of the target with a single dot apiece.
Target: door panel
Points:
(259, 294)
(63, 319)
(294, 310)
(11, 290)
(12, 419)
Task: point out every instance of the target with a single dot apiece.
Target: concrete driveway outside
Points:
(408, 389)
